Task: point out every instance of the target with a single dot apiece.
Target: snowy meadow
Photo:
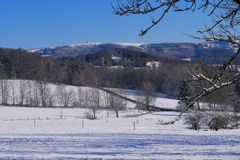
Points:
(57, 132)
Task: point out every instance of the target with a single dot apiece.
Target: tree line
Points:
(168, 78)
(19, 64)
(29, 93)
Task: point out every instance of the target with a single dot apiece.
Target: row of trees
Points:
(19, 64)
(166, 78)
(225, 99)
(42, 94)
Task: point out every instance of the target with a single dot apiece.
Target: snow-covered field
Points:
(41, 133)
(118, 146)
(65, 133)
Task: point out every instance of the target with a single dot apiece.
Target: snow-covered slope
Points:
(29, 87)
(65, 133)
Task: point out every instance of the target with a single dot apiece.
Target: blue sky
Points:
(46, 23)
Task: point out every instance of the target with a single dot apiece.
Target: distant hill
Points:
(123, 57)
(208, 52)
(214, 52)
(169, 50)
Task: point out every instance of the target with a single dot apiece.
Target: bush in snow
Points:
(90, 116)
(234, 122)
(194, 120)
(218, 121)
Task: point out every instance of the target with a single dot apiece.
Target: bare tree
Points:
(81, 96)
(23, 89)
(51, 100)
(225, 12)
(116, 103)
(12, 86)
(65, 97)
(45, 94)
(35, 99)
(30, 90)
(225, 28)
(147, 96)
(4, 87)
(93, 100)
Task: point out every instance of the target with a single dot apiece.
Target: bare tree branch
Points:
(225, 28)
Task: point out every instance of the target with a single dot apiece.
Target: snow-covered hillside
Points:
(16, 90)
(66, 133)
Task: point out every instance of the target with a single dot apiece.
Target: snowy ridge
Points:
(123, 44)
(85, 44)
(129, 44)
(34, 50)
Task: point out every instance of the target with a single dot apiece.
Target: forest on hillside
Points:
(170, 77)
